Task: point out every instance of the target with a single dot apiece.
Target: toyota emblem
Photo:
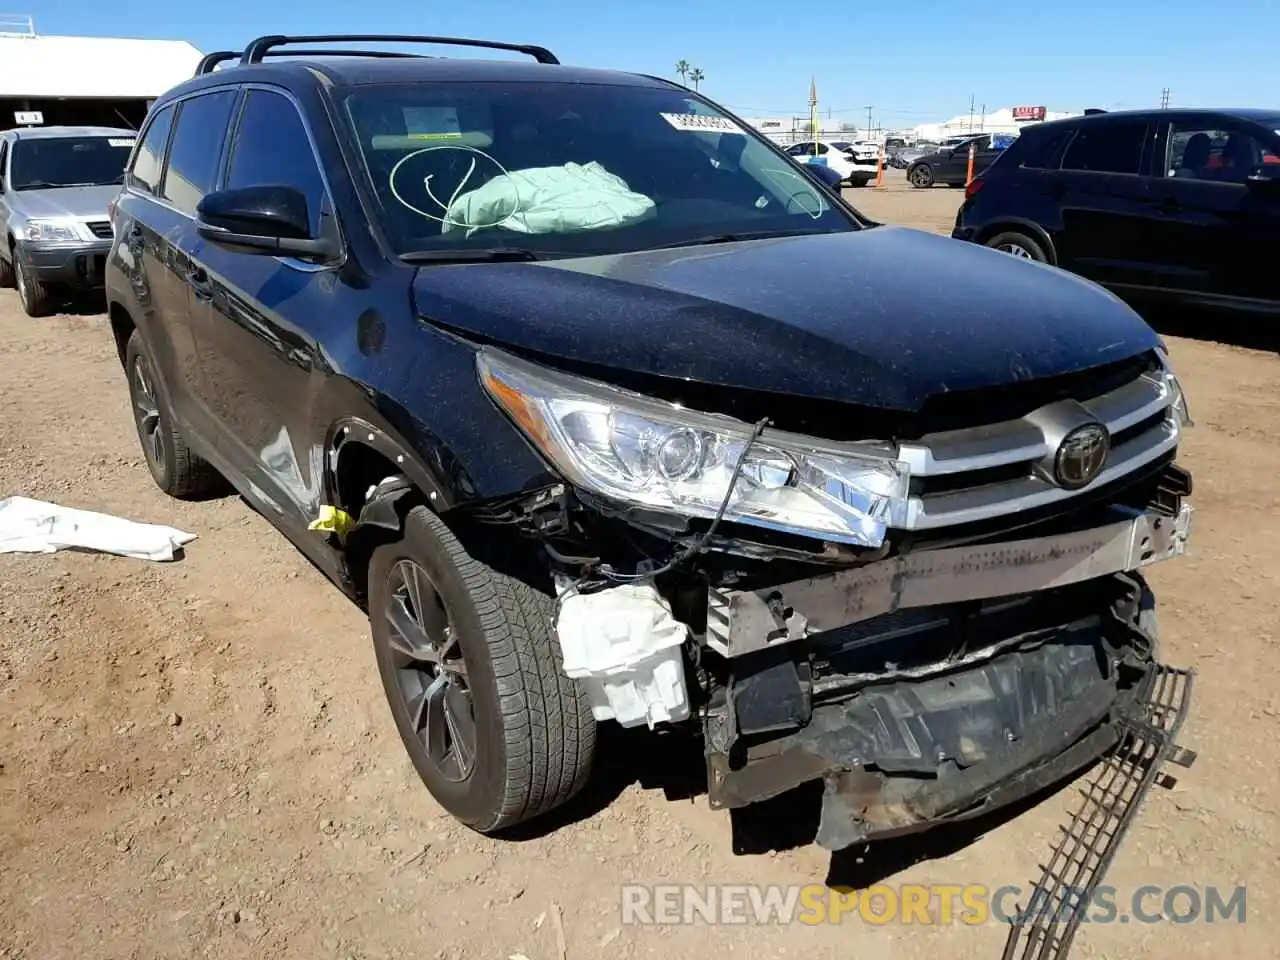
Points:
(1081, 456)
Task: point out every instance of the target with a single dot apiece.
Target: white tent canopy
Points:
(39, 67)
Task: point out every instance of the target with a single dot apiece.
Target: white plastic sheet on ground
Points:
(33, 526)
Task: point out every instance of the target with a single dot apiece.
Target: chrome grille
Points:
(974, 474)
(100, 228)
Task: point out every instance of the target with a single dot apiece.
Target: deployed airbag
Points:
(564, 199)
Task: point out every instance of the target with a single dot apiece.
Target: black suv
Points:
(1167, 204)
(605, 410)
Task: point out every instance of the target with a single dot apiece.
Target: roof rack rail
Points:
(211, 60)
(260, 47)
(1093, 111)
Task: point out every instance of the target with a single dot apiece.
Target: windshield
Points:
(572, 170)
(44, 162)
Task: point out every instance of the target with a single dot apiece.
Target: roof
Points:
(356, 71)
(102, 67)
(1250, 114)
(53, 133)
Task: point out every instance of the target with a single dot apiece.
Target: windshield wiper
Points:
(486, 255)
(738, 237)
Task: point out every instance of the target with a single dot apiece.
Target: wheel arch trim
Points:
(387, 444)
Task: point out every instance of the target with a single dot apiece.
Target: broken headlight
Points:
(637, 450)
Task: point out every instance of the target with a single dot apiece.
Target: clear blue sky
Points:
(914, 61)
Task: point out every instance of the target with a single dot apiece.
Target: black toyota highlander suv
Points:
(605, 410)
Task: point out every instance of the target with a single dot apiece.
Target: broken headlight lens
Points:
(646, 452)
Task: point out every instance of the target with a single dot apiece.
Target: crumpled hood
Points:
(80, 202)
(884, 317)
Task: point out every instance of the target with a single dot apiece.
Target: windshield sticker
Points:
(120, 142)
(698, 123)
(432, 123)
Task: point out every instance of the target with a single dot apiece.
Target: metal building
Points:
(100, 81)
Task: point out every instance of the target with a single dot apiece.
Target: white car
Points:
(855, 162)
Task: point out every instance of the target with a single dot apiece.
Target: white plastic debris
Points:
(33, 526)
(624, 644)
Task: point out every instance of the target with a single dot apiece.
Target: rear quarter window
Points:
(1037, 149)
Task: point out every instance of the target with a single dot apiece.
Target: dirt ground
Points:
(196, 758)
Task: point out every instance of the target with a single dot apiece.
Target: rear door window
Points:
(1114, 147)
(148, 162)
(197, 148)
(1038, 150)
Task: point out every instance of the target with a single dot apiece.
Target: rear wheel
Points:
(470, 663)
(1018, 245)
(921, 175)
(176, 470)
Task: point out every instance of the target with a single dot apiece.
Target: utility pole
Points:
(868, 121)
(971, 113)
(1164, 99)
(982, 119)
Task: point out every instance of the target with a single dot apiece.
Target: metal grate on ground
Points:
(1087, 843)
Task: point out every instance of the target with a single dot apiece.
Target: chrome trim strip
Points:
(1021, 441)
(1003, 499)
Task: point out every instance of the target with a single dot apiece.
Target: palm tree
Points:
(683, 68)
(696, 76)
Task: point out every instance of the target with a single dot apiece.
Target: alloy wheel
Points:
(1016, 250)
(146, 413)
(431, 676)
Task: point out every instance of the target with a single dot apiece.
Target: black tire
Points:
(1018, 245)
(37, 297)
(532, 729)
(175, 468)
(920, 175)
(7, 278)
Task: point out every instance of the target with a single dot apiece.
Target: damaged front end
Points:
(964, 624)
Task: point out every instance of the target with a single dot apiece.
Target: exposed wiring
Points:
(604, 573)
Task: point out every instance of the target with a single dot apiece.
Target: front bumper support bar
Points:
(744, 621)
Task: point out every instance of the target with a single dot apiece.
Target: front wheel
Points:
(921, 175)
(470, 663)
(36, 296)
(1018, 245)
(7, 278)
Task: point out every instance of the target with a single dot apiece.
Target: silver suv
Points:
(56, 185)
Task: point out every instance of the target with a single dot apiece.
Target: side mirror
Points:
(269, 220)
(824, 174)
